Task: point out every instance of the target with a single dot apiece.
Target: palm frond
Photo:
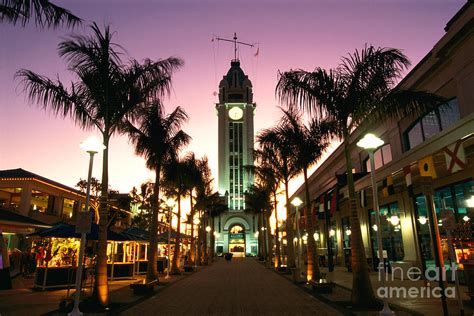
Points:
(43, 12)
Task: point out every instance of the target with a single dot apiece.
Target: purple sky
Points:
(291, 34)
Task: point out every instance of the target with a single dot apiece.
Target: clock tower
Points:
(235, 229)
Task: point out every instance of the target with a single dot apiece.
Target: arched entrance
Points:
(237, 240)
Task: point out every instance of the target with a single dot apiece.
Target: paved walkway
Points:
(240, 287)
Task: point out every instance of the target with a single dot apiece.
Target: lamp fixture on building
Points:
(332, 232)
(423, 220)
(316, 236)
(348, 232)
(466, 218)
(374, 227)
(256, 235)
(208, 228)
(394, 220)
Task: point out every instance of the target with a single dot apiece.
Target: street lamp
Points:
(92, 146)
(370, 142)
(296, 202)
(170, 203)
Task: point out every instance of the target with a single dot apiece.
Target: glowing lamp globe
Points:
(296, 202)
(370, 141)
(92, 145)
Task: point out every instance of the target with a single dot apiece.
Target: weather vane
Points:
(234, 40)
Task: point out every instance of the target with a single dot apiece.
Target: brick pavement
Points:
(240, 287)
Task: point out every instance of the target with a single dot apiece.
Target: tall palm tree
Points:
(273, 142)
(106, 93)
(44, 12)
(158, 138)
(266, 174)
(192, 181)
(309, 143)
(175, 172)
(360, 91)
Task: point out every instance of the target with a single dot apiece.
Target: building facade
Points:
(235, 229)
(438, 144)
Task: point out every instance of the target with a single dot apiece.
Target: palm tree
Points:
(106, 93)
(44, 12)
(360, 91)
(158, 138)
(266, 174)
(279, 151)
(258, 201)
(175, 172)
(309, 143)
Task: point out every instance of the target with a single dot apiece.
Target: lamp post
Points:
(296, 202)
(92, 146)
(170, 203)
(370, 142)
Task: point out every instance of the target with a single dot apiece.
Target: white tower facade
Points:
(235, 229)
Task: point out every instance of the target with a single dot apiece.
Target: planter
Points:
(228, 256)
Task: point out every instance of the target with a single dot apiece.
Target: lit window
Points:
(432, 123)
(382, 156)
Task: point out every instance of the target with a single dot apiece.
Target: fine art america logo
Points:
(400, 289)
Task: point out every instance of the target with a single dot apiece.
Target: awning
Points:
(63, 230)
(11, 221)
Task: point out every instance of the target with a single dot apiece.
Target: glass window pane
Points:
(367, 165)
(424, 231)
(378, 159)
(450, 114)
(387, 154)
(430, 125)
(415, 136)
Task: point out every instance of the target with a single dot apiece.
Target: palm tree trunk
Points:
(313, 271)
(277, 234)
(176, 254)
(101, 287)
(199, 241)
(362, 292)
(268, 238)
(152, 270)
(191, 252)
(290, 261)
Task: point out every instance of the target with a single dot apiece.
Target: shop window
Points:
(69, 208)
(431, 124)
(10, 198)
(392, 241)
(382, 156)
(42, 202)
(452, 197)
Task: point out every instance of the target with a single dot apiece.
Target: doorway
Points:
(237, 240)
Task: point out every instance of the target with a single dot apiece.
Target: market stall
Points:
(56, 250)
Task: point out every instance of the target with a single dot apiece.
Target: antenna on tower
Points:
(234, 40)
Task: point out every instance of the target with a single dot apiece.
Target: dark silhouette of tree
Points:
(158, 137)
(106, 94)
(43, 12)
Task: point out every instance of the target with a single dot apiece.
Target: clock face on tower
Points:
(236, 113)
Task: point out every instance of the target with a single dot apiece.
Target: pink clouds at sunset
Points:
(291, 34)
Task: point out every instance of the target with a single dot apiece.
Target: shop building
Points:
(438, 144)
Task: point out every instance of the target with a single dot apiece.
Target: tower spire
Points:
(234, 40)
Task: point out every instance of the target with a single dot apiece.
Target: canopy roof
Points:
(63, 230)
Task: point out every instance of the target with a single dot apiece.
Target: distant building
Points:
(235, 229)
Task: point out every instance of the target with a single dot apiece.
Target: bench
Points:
(142, 287)
(322, 287)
